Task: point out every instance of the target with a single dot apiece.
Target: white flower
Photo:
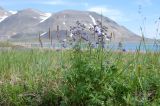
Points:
(71, 35)
(64, 40)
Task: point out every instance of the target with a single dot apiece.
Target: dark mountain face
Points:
(30, 22)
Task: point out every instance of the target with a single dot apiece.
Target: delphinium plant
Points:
(96, 34)
(90, 77)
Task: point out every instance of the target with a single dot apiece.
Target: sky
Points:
(132, 14)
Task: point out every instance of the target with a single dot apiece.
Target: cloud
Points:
(144, 2)
(114, 14)
(56, 2)
(64, 3)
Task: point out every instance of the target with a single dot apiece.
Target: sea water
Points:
(113, 46)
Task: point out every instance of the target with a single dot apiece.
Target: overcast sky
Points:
(129, 13)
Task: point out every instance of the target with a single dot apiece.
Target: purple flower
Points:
(98, 31)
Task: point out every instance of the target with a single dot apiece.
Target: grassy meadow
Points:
(92, 77)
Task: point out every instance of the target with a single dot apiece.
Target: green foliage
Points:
(85, 82)
(79, 78)
(5, 44)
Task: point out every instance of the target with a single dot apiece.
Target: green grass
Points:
(9, 45)
(5, 44)
(79, 78)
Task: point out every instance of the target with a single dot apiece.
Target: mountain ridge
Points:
(30, 22)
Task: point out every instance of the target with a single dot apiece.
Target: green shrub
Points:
(91, 80)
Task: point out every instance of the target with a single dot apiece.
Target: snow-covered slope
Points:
(21, 20)
(45, 16)
(3, 14)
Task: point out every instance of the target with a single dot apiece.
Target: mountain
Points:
(3, 14)
(21, 20)
(29, 22)
(65, 19)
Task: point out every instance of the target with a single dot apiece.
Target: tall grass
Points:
(5, 44)
(79, 78)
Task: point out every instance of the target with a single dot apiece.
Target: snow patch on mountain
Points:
(13, 12)
(3, 18)
(44, 17)
(93, 20)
